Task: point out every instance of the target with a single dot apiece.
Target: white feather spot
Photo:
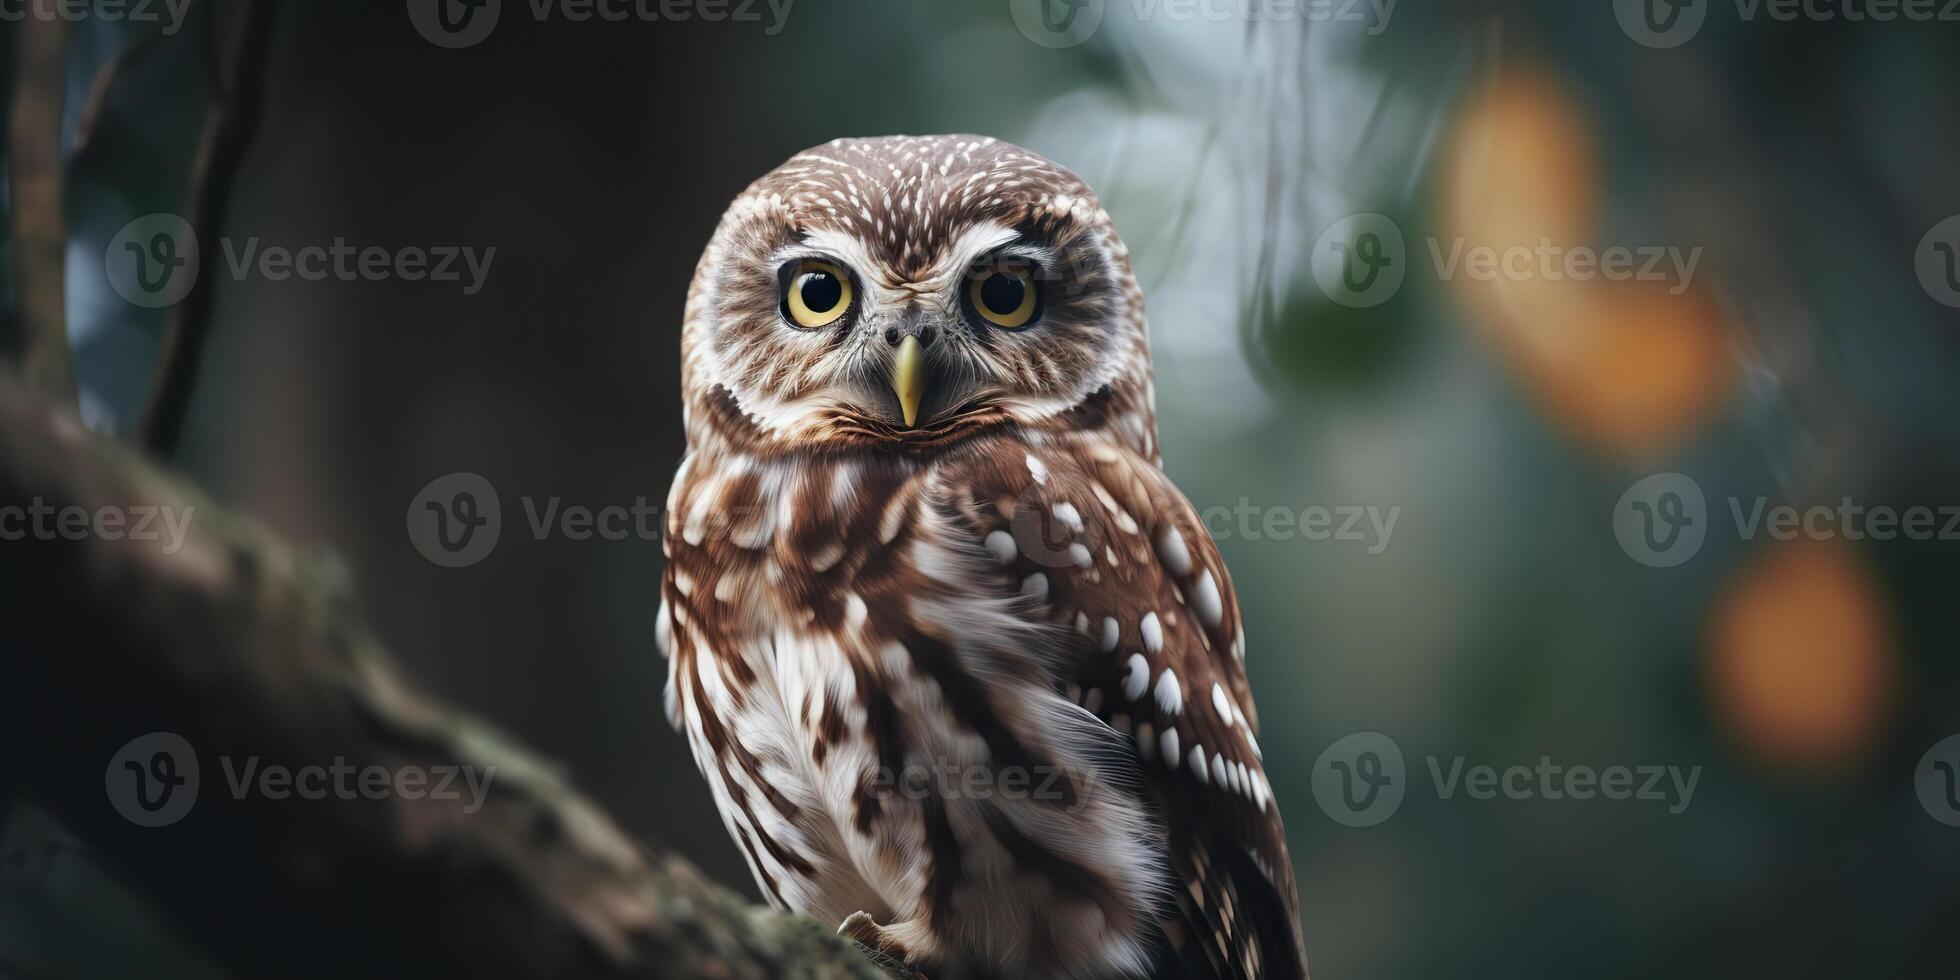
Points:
(897, 660)
(894, 519)
(1209, 608)
(1037, 469)
(1221, 703)
(1108, 644)
(1066, 513)
(1219, 773)
(1153, 632)
(1168, 743)
(1197, 761)
(1170, 695)
(663, 629)
(1001, 545)
(1137, 677)
(1035, 585)
(1079, 554)
(1172, 552)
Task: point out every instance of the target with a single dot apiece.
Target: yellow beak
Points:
(909, 379)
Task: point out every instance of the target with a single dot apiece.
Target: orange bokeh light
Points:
(1629, 366)
(1801, 667)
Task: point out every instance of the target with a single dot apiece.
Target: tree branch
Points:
(39, 224)
(129, 57)
(255, 654)
(238, 70)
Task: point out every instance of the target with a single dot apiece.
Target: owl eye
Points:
(1005, 295)
(815, 293)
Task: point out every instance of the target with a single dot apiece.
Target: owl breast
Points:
(875, 701)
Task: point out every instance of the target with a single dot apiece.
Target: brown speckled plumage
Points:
(980, 679)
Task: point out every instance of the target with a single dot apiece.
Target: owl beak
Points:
(909, 378)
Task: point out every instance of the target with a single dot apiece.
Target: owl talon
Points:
(881, 945)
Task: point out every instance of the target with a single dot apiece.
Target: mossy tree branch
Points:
(251, 649)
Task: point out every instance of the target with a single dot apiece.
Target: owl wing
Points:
(1105, 545)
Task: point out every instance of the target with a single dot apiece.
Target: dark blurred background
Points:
(1808, 358)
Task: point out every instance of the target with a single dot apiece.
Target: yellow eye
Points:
(1004, 295)
(815, 294)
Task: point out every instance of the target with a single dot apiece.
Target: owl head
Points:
(908, 293)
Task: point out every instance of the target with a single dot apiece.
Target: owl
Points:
(961, 666)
